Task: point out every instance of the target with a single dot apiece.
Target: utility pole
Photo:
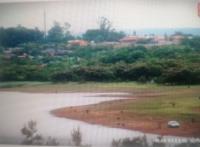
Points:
(45, 25)
(198, 8)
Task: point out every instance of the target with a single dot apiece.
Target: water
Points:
(17, 108)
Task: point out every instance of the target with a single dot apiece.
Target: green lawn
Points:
(178, 106)
(75, 86)
(19, 84)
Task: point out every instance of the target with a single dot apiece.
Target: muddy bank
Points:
(117, 118)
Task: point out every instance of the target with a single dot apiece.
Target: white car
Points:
(173, 124)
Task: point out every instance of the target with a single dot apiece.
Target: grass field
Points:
(84, 86)
(73, 86)
(183, 104)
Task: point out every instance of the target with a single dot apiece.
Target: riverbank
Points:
(49, 87)
(148, 108)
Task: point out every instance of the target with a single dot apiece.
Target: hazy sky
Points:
(84, 14)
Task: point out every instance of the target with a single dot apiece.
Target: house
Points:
(49, 51)
(78, 43)
(23, 56)
(161, 40)
(176, 39)
(107, 44)
(8, 53)
(129, 39)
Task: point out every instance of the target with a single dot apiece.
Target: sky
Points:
(84, 14)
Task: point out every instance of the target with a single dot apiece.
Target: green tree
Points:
(12, 37)
(67, 33)
(56, 33)
(105, 32)
(59, 33)
(105, 24)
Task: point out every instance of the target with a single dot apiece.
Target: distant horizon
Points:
(140, 31)
(84, 14)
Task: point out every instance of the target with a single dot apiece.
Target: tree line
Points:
(169, 64)
(173, 64)
(14, 36)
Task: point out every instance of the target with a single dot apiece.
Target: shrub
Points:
(116, 143)
(127, 142)
(76, 136)
(189, 144)
(51, 142)
(33, 138)
(31, 135)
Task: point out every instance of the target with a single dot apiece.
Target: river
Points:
(17, 108)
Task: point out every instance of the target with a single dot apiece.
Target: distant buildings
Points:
(146, 40)
(152, 40)
(78, 43)
(23, 56)
(8, 54)
(129, 39)
(176, 39)
(62, 50)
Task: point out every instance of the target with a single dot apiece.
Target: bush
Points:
(85, 74)
(76, 136)
(127, 142)
(181, 76)
(51, 142)
(31, 135)
(189, 144)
